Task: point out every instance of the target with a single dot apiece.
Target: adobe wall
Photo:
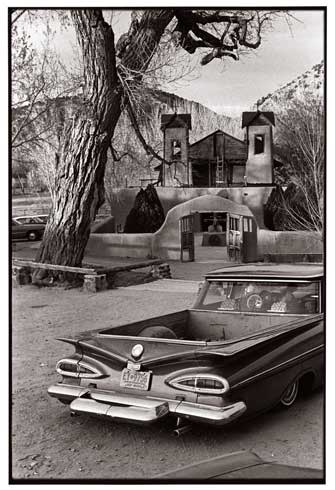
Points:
(165, 243)
(280, 246)
(138, 245)
(252, 197)
(259, 166)
(285, 246)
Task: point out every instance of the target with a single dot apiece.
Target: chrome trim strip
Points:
(278, 366)
(151, 339)
(142, 409)
(255, 313)
(130, 413)
(176, 383)
(271, 277)
(70, 374)
(125, 399)
(214, 415)
(94, 372)
(68, 392)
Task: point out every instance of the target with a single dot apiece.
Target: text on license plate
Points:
(135, 379)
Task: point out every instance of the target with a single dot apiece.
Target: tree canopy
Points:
(113, 74)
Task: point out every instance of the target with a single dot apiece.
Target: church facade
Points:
(219, 159)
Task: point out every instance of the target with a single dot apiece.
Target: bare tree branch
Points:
(146, 146)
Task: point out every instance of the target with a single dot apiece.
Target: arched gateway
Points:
(208, 226)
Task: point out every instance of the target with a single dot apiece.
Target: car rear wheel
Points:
(159, 332)
(290, 395)
(32, 236)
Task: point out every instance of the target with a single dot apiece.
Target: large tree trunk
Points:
(79, 190)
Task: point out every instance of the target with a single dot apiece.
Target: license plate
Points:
(138, 380)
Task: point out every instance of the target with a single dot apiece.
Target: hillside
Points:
(204, 120)
(311, 82)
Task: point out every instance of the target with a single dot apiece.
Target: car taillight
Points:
(77, 369)
(210, 384)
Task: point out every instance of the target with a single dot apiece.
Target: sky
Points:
(229, 86)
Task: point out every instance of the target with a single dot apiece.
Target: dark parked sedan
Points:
(31, 231)
(241, 466)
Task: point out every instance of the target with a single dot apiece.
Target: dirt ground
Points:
(47, 443)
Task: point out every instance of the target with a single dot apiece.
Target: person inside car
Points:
(287, 303)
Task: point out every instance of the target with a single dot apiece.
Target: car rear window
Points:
(263, 297)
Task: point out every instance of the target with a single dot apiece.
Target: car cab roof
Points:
(268, 270)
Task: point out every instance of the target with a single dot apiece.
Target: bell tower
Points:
(178, 172)
(259, 137)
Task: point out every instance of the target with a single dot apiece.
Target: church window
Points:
(176, 145)
(259, 144)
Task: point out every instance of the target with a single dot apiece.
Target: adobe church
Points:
(218, 181)
(219, 159)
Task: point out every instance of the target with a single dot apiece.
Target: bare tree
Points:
(39, 81)
(301, 130)
(112, 74)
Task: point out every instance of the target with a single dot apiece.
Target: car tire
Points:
(32, 236)
(290, 395)
(158, 332)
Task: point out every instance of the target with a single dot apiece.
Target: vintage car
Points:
(241, 466)
(32, 229)
(28, 220)
(253, 339)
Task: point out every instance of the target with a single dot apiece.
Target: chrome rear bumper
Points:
(141, 410)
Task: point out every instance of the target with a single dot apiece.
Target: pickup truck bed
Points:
(199, 325)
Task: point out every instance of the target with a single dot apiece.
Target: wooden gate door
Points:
(234, 237)
(187, 238)
(249, 246)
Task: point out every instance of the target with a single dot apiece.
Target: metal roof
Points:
(292, 271)
(248, 117)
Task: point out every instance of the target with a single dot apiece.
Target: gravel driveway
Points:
(47, 443)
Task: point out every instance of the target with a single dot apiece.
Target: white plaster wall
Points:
(259, 167)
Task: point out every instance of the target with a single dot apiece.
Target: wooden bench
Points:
(96, 276)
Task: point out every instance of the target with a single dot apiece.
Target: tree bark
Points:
(79, 189)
